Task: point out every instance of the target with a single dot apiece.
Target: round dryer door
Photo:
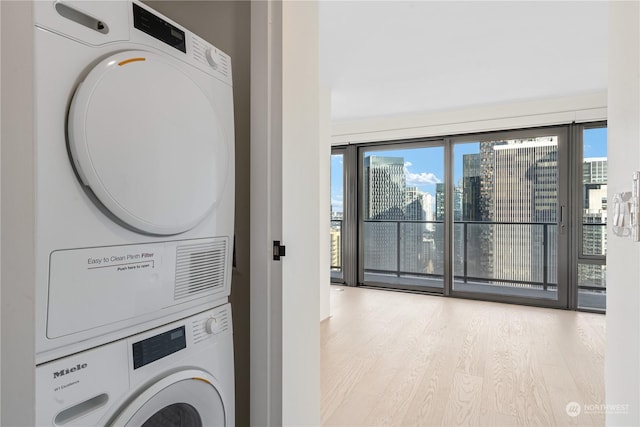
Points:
(187, 399)
(148, 143)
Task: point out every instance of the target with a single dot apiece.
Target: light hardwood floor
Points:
(399, 359)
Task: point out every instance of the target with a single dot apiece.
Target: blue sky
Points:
(336, 183)
(595, 142)
(424, 167)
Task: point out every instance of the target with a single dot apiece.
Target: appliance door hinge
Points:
(278, 250)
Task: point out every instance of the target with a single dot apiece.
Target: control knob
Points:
(211, 58)
(213, 326)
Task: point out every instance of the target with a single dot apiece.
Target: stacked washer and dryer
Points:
(134, 198)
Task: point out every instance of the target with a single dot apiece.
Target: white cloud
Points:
(336, 203)
(415, 179)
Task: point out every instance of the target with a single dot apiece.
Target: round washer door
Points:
(187, 398)
(148, 143)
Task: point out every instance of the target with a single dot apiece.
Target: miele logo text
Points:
(69, 370)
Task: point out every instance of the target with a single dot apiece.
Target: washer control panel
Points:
(158, 346)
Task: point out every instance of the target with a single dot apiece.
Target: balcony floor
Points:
(587, 299)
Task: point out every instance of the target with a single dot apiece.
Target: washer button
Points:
(211, 326)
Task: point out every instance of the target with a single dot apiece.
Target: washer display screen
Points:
(155, 348)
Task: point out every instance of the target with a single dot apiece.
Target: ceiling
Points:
(389, 58)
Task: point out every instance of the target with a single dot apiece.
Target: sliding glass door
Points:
(509, 217)
(402, 239)
(516, 216)
(337, 216)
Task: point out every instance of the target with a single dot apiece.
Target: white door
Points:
(285, 167)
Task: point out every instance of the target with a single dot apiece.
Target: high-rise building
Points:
(594, 216)
(336, 248)
(384, 188)
(512, 185)
(525, 182)
(414, 204)
(457, 202)
(472, 241)
(429, 205)
(411, 243)
(509, 193)
(394, 218)
(458, 255)
(439, 202)
(384, 200)
(594, 170)
(336, 240)
(471, 186)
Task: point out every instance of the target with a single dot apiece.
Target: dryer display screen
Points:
(155, 348)
(158, 28)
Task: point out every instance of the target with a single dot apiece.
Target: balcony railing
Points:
(512, 253)
(336, 245)
(592, 262)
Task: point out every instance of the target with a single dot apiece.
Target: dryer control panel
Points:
(158, 28)
(103, 23)
(199, 52)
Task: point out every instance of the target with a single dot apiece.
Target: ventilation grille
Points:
(199, 331)
(200, 269)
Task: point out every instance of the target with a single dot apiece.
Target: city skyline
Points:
(425, 171)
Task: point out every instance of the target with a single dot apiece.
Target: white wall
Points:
(17, 240)
(622, 363)
(0, 213)
(324, 157)
(302, 215)
(582, 108)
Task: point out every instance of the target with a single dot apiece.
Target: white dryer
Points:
(134, 173)
(180, 374)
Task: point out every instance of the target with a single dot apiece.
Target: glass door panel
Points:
(337, 216)
(402, 217)
(592, 276)
(506, 217)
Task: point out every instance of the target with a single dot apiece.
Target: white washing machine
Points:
(180, 374)
(134, 173)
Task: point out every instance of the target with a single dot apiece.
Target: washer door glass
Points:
(191, 402)
(148, 142)
(178, 414)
